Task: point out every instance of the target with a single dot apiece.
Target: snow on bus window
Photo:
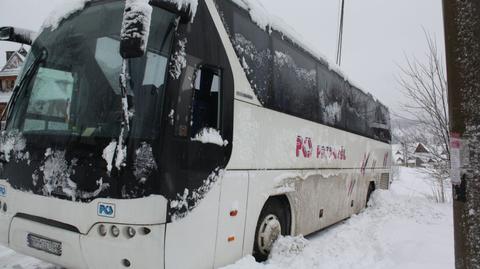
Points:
(56, 173)
(295, 81)
(333, 106)
(255, 63)
(252, 46)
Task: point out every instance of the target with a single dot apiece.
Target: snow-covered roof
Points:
(5, 96)
(396, 147)
(13, 64)
(10, 73)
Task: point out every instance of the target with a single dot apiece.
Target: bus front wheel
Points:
(274, 221)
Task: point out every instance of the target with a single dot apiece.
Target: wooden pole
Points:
(462, 38)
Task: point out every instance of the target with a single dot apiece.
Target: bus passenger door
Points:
(231, 217)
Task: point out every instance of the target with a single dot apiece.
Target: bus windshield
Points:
(67, 108)
(75, 89)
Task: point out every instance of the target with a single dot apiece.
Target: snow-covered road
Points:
(403, 228)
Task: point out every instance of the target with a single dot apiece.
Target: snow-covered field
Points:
(402, 228)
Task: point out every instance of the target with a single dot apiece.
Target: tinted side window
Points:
(333, 113)
(381, 125)
(295, 81)
(356, 111)
(206, 100)
(370, 115)
(252, 46)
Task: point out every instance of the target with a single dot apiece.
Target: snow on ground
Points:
(402, 229)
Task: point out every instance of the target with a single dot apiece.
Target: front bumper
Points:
(74, 225)
(93, 250)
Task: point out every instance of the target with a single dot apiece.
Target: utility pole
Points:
(462, 37)
(341, 13)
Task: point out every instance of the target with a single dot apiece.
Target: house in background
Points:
(417, 156)
(9, 74)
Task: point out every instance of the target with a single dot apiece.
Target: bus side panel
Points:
(190, 241)
(231, 218)
(267, 139)
(320, 200)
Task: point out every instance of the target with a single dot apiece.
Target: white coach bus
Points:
(220, 136)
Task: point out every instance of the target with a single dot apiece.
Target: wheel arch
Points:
(285, 201)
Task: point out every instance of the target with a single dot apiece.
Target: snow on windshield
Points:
(68, 8)
(109, 153)
(63, 11)
(179, 60)
(144, 162)
(12, 144)
(56, 174)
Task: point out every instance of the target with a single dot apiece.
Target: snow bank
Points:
(210, 136)
(63, 11)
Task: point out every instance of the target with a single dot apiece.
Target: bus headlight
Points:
(115, 231)
(102, 230)
(131, 232)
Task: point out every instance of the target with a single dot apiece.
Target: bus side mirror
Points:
(135, 28)
(18, 35)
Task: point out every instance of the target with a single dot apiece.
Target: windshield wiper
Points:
(18, 89)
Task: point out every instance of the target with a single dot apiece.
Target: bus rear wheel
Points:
(274, 221)
(371, 189)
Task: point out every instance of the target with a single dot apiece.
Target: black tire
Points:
(281, 210)
(371, 189)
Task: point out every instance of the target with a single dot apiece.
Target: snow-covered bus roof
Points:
(70, 7)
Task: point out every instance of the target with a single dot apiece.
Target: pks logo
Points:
(3, 191)
(106, 210)
(306, 148)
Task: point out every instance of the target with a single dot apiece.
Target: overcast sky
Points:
(378, 34)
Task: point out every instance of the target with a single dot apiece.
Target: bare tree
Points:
(424, 84)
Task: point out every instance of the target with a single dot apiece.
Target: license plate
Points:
(44, 244)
